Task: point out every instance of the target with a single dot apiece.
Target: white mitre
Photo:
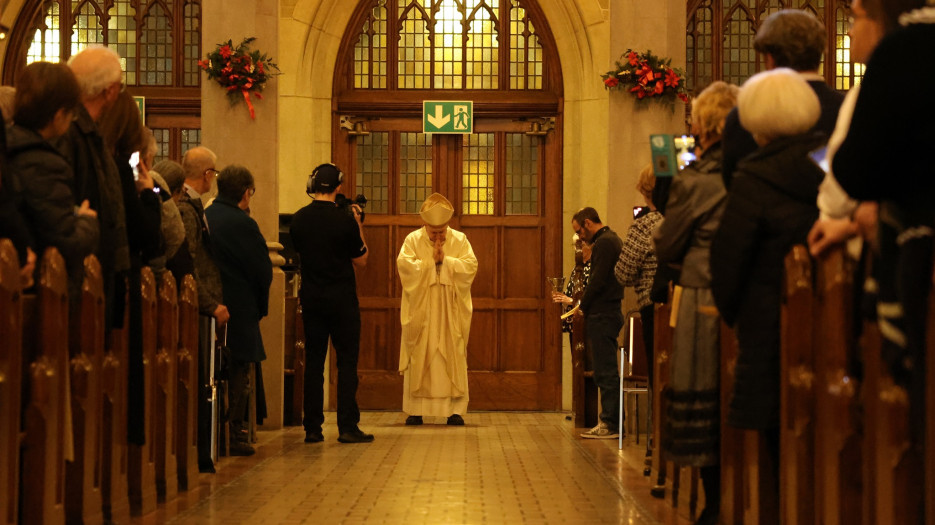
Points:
(436, 210)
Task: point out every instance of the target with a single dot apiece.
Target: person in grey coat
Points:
(246, 273)
(691, 436)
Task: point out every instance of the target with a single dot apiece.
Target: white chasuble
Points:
(436, 321)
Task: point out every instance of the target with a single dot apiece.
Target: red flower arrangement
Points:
(239, 70)
(647, 77)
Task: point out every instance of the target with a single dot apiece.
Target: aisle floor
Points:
(501, 467)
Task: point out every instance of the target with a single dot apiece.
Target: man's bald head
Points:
(97, 68)
(197, 160)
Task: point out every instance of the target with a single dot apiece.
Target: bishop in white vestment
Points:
(436, 267)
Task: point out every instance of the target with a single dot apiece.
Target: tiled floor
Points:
(501, 467)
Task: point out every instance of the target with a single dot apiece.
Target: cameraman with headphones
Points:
(330, 243)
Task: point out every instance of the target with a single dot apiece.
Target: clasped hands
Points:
(439, 253)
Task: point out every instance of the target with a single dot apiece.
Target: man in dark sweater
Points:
(795, 39)
(601, 307)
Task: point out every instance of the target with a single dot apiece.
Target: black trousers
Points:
(603, 330)
(238, 395)
(339, 319)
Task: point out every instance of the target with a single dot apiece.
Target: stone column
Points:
(229, 131)
(642, 26)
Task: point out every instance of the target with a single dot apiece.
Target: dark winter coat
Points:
(770, 207)
(246, 273)
(40, 178)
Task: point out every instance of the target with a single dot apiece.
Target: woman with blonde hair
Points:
(683, 240)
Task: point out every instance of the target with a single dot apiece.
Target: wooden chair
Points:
(298, 384)
(797, 387)
(46, 440)
(187, 422)
(83, 502)
(114, 371)
(634, 374)
(838, 457)
(165, 404)
(11, 381)
(142, 460)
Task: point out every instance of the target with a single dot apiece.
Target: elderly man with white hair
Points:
(770, 207)
(96, 178)
(436, 267)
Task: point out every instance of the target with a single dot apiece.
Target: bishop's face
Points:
(436, 232)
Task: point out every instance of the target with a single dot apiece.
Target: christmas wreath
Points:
(239, 70)
(648, 77)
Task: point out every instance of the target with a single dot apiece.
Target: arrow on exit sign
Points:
(447, 116)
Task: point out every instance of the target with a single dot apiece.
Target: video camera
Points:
(343, 202)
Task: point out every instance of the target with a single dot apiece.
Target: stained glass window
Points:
(373, 168)
(522, 174)
(477, 188)
(482, 47)
(699, 59)
(525, 51)
(415, 48)
(370, 53)
(87, 29)
(415, 170)
(162, 143)
(191, 48)
(46, 44)
(740, 60)
(121, 36)
(156, 43)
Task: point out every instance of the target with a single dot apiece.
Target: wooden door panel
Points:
(482, 345)
(484, 242)
(521, 341)
(522, 262)
(375, 279)
(378, 329)
(505, 391)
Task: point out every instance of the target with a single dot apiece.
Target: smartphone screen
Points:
(819, 156)
(135, 164)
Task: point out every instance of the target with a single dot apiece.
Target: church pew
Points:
(83, 502)
(929, 494)
(187, 414)
(47, 438)
(165, 406)
(797, 391)
(11, 381)
(662, 341)
(114, 487)
(732, 495)
(838, 457)
(142, 464)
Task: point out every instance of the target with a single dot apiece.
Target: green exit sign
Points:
(447, 116)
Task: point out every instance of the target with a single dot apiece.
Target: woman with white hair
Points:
(770, 207)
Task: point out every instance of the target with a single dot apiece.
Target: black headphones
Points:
(327, 167)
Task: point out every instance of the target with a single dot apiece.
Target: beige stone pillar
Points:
(237, 139)
(643, 26)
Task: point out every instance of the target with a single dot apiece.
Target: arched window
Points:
(159, 42)
(731, 57)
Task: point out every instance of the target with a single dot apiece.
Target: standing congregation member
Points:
(795, 39)
(99, 75)
(601, 306)
(436, 268)
(200, 172)
(40, 178)
(330, 243)
(770, 207)
(246, 273)
(692, 423)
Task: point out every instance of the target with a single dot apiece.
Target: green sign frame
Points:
(448, 116)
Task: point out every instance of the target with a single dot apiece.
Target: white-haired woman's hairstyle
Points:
(96, 68)
(777, 103)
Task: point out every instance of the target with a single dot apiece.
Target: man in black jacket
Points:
(795, 39)
(601, 307)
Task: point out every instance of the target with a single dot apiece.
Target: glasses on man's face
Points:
(212, 171)
(251, 191)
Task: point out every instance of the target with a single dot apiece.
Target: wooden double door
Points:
(505, 184)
